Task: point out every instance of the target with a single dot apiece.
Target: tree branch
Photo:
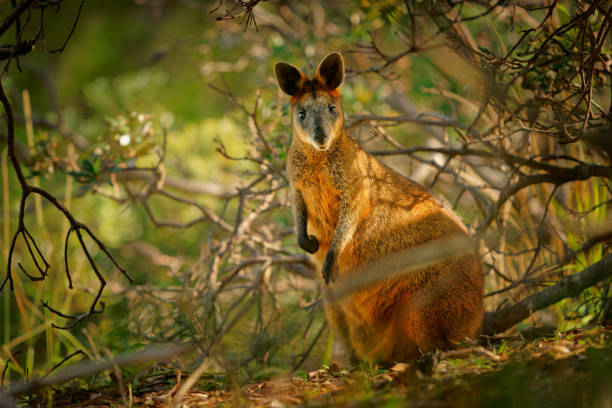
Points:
(85, 368)
(567, 286)
(17, 11)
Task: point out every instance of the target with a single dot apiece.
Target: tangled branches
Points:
(244, 13)
(532, 149)
(22, 47)
(231, 284)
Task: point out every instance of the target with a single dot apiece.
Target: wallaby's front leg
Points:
(308, 243)
(342, 235)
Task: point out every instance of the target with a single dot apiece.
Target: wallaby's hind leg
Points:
(421, 327)
(461, 306)
(446, 312)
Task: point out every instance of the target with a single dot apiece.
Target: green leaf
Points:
(564, 15)
(485, 50)
(87, 167)
(96, 165)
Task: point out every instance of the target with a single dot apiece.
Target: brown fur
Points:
(399, 318)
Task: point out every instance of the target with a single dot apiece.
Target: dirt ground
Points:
(534, 369)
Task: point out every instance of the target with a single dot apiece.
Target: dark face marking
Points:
(317, 119)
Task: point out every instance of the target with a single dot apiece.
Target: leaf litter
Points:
(572, 368)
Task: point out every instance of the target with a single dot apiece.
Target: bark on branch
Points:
(568, 286)
(17, 11)
(86, 368)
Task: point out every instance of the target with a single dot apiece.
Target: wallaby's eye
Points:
(332, 109)
(302, 115)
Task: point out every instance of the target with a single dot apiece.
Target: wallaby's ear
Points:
(331, 70)
(290, 79)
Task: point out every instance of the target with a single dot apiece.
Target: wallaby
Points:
(350, 209)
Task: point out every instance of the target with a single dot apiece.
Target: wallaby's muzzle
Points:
(320, 138)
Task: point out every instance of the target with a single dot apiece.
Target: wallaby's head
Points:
(315, 104)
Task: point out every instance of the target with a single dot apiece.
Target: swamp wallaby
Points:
(350, 209)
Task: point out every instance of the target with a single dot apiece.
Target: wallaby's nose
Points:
(319, 135)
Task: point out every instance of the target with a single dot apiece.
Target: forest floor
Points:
(535, 369)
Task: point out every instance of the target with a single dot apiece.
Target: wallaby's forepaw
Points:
(329, 267)
(308, 243)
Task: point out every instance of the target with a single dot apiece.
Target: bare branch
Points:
(86, 368)
(567, 286)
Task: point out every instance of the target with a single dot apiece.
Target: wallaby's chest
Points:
(317, 181)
